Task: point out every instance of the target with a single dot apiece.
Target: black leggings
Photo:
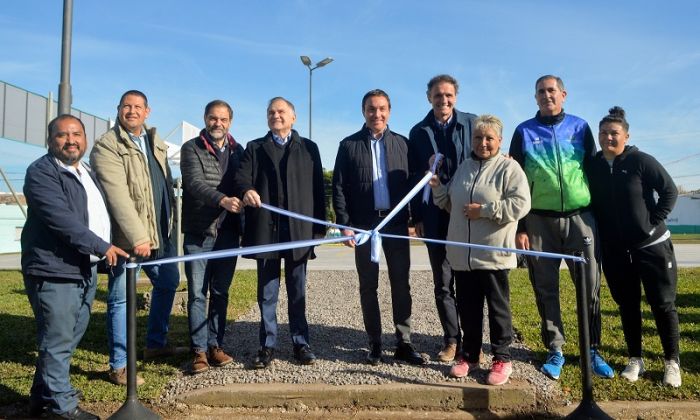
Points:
(654, 267)
(472, 288)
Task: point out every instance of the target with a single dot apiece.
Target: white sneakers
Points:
(635, 367)
(672, 373)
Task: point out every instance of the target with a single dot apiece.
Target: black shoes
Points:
(374, 356)
(406, 353)
(76, 414)
(304, 355)
(264, 358)
(36, 407)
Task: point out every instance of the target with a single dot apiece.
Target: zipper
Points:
(558, 160)
(469, 221)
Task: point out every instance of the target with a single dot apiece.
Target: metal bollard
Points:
(132, 407)
(587, 408)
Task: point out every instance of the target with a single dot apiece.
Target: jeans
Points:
(211, 277)
(62, 312)
(268, 293)
(165, 278)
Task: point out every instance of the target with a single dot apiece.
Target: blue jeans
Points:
(213, 277)
(62, 313)
(268, 292)
(165, 278)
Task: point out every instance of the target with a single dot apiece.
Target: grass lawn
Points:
(89, 368)
(686, 238)
(649, 387)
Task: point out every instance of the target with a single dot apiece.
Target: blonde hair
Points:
(489, 121)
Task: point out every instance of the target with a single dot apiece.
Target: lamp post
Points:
(64, 89)
(307, 62)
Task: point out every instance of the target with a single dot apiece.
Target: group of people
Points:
(552, 193)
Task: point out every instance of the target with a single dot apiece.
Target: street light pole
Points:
(64, 89)
(307, 62)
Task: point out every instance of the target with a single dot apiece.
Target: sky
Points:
(641, 55)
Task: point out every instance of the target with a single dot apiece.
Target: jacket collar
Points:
(207, 144)
(553, 120)
(457, 116)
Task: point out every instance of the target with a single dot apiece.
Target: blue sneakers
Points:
(599, 367)
(552, 366)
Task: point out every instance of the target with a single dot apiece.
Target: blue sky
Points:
(643, 56)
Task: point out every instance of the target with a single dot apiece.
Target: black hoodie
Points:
(626, 209)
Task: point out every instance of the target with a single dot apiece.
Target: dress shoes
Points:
(75, 414)
(407, 353)
(374, 356)
(264, 358)
(304, 355)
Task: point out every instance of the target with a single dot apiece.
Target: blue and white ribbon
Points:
(360, 237)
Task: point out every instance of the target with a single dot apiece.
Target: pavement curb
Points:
(513, 397)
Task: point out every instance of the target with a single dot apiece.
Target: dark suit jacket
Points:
(353, 194)
(303, 187)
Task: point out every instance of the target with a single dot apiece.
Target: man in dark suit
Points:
(370, 177)
(283, 170)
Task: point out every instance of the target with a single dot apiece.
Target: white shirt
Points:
(98, 217)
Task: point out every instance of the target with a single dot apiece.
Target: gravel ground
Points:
(339, 341)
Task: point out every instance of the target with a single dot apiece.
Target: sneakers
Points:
(448, 353)
(217, 357)
(553, 364)
(199, 363)
(118, 377)
(672, 373)
(264, 358)
(461, 368)
(599, 367)
(500, 372)
(634, 368)
(167, 351)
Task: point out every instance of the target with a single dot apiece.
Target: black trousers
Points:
(653, 267)
(398, 260)
(472, 288)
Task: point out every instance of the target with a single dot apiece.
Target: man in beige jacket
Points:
(131, 163)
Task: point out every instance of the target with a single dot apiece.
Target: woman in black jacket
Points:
(636, 244)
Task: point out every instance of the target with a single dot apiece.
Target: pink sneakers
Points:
(500, 372)
(461, 368)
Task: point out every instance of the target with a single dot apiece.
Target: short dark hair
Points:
(55, 121)
(279, 98)
(442, 78)
(218, 103)
(375, 92)
(135, 93)
(560, 83)
(615, 115)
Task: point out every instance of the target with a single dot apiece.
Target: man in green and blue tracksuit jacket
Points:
(552, 148)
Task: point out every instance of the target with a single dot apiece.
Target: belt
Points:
(382, 213)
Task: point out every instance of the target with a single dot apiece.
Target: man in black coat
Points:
(447, 131)
(369, 179)
(210, 222)
(66, 234)
(283, 170)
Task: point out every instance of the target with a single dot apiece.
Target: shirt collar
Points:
(281, 141)
(445, 124)
(381, 137)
